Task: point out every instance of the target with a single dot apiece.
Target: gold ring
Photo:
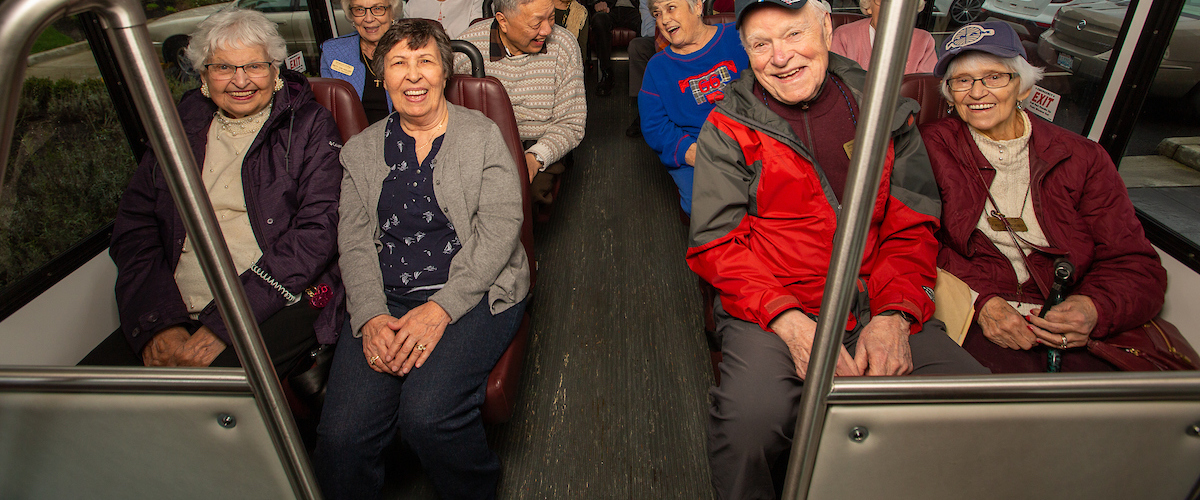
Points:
(421, 347)
(373, 360)
(1064, 342)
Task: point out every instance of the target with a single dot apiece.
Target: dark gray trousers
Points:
(754, 409)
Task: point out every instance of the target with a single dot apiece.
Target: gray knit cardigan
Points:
(477, 186)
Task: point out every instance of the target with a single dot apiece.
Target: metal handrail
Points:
(80, 379)
(1042, 388)
(125, 22)
(892, 38)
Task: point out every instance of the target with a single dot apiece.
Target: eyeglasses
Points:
(376, 11)
(226, 71)
(992, 81)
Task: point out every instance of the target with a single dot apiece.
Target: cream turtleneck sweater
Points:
(228, 139)
(1010, 189)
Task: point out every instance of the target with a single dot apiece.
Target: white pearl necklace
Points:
(240, 127)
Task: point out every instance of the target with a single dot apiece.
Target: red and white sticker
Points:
(1043, 103)
(295, 62)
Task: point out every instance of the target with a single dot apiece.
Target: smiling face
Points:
(415, 81)
(788, 49)
(370, 27)
(241, 95)
(679, 21)
(526, 30)
(990, 111)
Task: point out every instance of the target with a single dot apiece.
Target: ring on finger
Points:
(373, 359)
(1064, 341)
(421, 347)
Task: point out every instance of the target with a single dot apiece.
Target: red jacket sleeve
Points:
(720, 224)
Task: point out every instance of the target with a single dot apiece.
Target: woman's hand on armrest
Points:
(417, 333)
(1073, 318)
(1004, 326)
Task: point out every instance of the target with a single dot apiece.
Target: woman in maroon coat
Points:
(269, 158)
(1061, 195)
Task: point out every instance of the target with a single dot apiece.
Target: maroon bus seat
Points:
(839, 18)
(923, 88)
(488, 96)
(340, 98)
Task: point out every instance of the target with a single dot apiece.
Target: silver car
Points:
(170, 33)
(1083, 36)
(1029, 17)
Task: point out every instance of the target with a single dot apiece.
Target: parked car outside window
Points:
(1083, 37)
(1029, 17)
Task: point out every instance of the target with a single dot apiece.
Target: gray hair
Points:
(1027, 74)
(397, 9)
(509, 7)
(691, 6)
(235, 28)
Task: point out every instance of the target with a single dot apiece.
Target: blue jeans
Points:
(435, 408)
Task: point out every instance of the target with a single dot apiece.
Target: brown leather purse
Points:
(1154, 346)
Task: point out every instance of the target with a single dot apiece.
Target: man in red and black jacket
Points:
(772, 163)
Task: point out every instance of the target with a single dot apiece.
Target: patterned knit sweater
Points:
(546, 89)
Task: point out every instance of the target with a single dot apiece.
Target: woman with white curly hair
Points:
(269, 158)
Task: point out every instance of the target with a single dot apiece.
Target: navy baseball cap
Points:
(994, 37)
(740, 6)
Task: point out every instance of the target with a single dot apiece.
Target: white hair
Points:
(397, 9)
(235, 28)
(691, 6)
(1027, 74)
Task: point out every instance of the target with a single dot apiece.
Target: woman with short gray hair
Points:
(1018, 193)
(349, 57)
(268, 154)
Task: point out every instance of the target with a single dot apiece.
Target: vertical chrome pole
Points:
(892, 38)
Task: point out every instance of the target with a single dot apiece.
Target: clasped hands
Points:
(396, 346)
(1067, 325)
(174, 346)
(882, 347)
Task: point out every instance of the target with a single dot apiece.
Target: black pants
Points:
(602, 26)
(288, 335)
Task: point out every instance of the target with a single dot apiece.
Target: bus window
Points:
(70, 158)
(1161, 164)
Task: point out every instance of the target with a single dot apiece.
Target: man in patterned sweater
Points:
(541, 68)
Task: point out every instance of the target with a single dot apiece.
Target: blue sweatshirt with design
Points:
(677, 94)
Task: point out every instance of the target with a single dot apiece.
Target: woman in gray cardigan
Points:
(435, 277)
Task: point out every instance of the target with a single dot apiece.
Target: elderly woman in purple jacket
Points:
(269, 158)
(997, 168)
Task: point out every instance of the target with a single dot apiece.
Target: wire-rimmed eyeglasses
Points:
(220, 71)
(991, 81)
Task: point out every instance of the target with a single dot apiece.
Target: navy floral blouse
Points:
(418, 240)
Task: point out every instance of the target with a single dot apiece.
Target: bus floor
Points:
(614, 399)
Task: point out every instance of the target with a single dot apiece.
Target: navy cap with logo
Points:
(994, 37)
(740, 6)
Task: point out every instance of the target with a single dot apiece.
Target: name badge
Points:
(342, 68)
(849, 147)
